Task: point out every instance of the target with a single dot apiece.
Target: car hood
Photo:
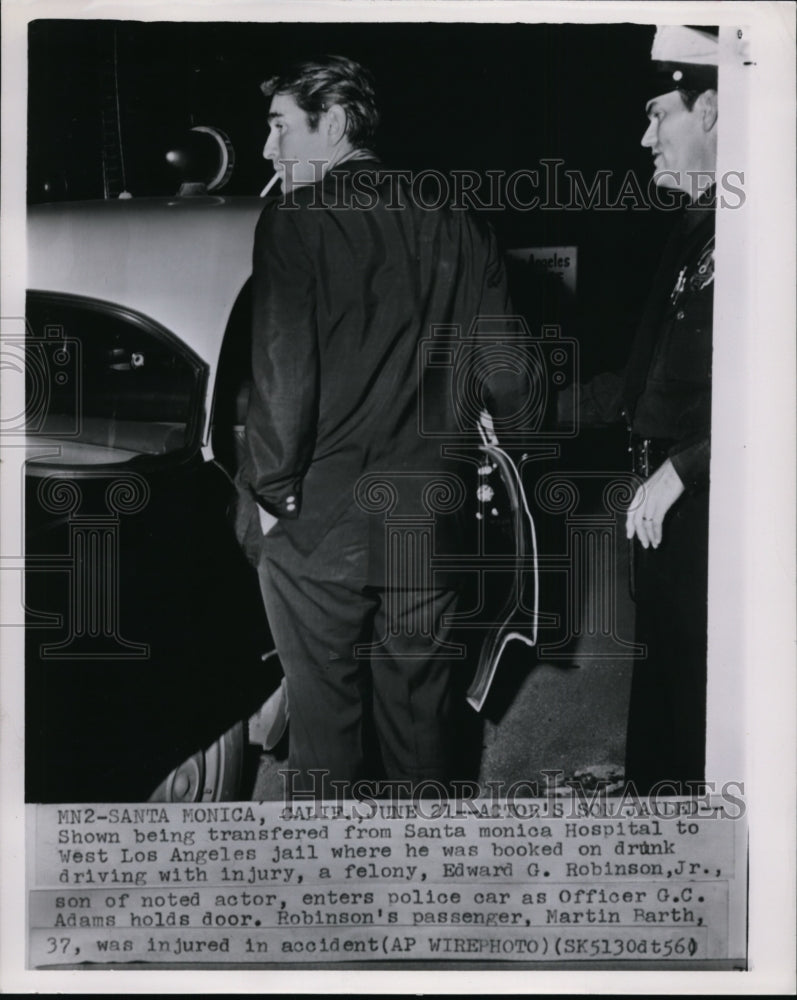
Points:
(180, 261)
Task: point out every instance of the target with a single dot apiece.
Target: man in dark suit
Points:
(350, 275)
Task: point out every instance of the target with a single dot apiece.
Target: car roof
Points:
(180, 261)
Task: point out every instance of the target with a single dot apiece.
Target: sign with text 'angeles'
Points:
(560, 263)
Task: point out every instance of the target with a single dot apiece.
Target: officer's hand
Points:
(650, 504)
(267, 521)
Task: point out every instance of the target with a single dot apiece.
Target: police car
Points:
(145, 633)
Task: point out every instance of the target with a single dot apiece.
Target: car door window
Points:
(105, 385)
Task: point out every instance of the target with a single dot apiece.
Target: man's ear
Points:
(336, 123)
(708, 107)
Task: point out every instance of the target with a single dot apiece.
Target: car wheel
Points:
(212, 775)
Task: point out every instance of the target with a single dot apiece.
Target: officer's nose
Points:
(649, 138)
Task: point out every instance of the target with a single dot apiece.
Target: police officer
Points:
(664, 394)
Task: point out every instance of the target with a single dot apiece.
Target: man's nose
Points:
(649, 138)
(270, 148)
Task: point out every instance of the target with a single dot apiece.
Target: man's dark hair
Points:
(315, 84)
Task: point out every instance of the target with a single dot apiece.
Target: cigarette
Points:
(269, 186)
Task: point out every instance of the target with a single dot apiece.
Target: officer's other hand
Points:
(650, 505)
(267, 521)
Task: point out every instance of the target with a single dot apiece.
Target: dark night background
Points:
(452, 97)
(463, 96)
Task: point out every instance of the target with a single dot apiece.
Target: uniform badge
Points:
(704, 272)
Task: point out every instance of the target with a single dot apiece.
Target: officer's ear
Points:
(336, 123)
(707, 106)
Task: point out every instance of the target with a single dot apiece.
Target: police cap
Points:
(684, 57)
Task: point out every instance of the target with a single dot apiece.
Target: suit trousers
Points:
(368, 670)
(667, 713)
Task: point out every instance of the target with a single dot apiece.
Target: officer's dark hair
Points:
(689, 97)
(315, 84)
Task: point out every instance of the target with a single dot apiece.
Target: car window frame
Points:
(198, 402)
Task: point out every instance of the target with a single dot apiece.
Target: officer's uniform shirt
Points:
(667, 389)
(664, 392)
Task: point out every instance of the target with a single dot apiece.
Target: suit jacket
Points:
(349, 277)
